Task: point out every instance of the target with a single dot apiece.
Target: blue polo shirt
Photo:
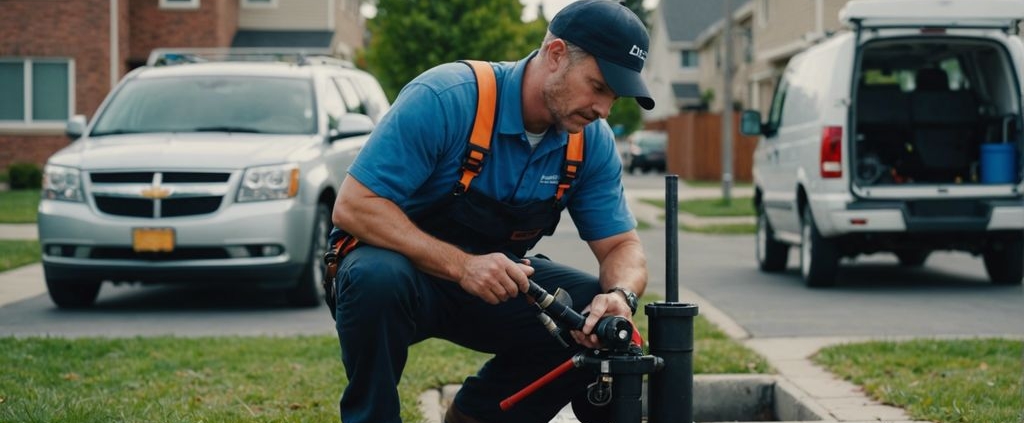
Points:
(414, 155)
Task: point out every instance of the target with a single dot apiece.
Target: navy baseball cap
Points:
(615, 36)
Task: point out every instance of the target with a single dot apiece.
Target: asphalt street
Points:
(949, 296)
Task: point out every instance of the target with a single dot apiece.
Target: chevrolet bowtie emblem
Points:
(156, 192)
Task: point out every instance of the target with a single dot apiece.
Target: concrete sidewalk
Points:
(18, 231)
(22, 282)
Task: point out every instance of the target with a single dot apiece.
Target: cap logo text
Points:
(638, 52)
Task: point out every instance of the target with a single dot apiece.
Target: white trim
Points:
(71, 87)
(28, 90)
(251, 4)
(115, 52)
(45, 128)
(179, 4)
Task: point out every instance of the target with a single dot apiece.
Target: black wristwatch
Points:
(631, 297)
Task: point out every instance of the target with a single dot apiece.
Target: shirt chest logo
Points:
(549, 179)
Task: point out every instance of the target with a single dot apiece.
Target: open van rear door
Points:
(994, 14)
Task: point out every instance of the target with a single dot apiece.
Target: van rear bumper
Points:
(974, 215)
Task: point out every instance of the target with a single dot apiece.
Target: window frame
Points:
(694, 57)
(28, 121)
(179, 4)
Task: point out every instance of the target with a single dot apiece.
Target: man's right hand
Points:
(495, 278)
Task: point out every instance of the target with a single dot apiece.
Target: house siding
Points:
(348, 28)
(288, 15)
(74, 29)
(213, 24)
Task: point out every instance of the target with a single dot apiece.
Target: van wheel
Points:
(71, 294)
(912, 258)
(819, 257)
(1005, 262)
(771, 254)
(307, 292)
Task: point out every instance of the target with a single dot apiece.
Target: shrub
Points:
(25, 176)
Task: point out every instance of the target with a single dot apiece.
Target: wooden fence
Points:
(695, 146)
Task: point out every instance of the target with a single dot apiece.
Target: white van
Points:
(902, 135)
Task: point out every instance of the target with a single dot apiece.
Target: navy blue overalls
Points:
(384, 304)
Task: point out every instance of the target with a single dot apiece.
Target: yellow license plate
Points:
(153, 240)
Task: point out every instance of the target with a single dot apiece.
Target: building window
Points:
(35, 90)
(179, 4)
(259, 4)
(689, 59)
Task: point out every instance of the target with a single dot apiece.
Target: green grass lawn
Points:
(729, 229)
(710, 207)
(16, 253)
(946, 381)
(19, 206)
(224, 379)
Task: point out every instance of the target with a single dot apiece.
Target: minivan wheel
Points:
(771, 254)
(912, 258)
(71, 294)
(819, 256)
(1005, 263)
(307, 292)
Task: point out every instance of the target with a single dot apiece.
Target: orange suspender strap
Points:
(480, 137)
(573, 160)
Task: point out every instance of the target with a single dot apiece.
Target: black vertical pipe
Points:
(671, 238)
(670, 331)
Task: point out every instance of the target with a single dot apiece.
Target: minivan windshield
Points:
(212, 103)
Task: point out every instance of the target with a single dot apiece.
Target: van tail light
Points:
(831, 152)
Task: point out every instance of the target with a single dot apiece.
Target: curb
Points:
(19, 231)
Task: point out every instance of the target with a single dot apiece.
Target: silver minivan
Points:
(903, 135)
(205, 172)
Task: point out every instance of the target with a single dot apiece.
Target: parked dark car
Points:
(646, 151)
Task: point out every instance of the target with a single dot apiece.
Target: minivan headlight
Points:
(62, 183)
(269, 183)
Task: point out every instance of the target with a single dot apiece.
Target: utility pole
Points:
(727, 106)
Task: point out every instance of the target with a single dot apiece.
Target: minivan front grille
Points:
(158, 194)
(134, 207)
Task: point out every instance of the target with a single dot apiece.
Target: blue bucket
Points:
(998, 163)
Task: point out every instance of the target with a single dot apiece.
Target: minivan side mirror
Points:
(750, 123)
(350, 125)
(75, 126)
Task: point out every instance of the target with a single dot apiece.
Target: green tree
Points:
(637, 6)
(626, 115)
(411, 36)
(625, 112)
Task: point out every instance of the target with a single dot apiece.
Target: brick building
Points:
(59, 58)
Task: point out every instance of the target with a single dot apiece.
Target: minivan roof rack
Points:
(298, 56)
